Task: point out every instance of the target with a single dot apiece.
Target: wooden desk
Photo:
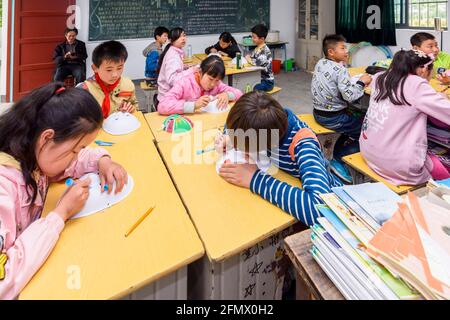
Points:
(234, 224)
(202, 122)
(312, 282)
(110, 265)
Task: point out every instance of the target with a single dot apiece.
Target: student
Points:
(333, 92)
(262, 57)
(154, 50)
(297, 152)
(394, 137)
(427, 43)
(170, 65)
(193, 91)
(44, 138)
(112, 91)
(226, 47)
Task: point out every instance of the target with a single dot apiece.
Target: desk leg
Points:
(302, 290)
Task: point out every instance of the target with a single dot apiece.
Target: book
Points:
(376, 199)
(391, 286)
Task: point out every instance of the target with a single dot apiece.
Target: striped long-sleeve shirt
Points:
(309, 166)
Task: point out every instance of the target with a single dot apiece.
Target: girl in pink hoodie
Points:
(44, 138)
(171, 66)
(194, 90)
(394, 134)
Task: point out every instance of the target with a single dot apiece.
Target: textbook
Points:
(415, 244)
(376, 199)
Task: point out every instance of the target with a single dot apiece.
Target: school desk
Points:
(237, 78)
(202, 122)
(94, 260)
(235, 225)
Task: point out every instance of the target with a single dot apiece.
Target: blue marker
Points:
(70, 182)
(105, 187)
(200, 152)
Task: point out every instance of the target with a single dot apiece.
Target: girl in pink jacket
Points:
(194, 90)
(44, 138)
(394, 135)
(170, 66)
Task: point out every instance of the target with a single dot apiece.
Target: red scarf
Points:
(107, 89)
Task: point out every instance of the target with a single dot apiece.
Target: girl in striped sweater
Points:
(291, 146)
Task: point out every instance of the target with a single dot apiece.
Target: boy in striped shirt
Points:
(296, 152)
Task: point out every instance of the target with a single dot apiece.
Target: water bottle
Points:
(238, 61)
(189, 51)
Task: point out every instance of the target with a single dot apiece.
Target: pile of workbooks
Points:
(375, 245)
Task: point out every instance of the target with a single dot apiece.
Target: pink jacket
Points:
(25, 238)
(181, 98)
(394, 138)
(172, 69)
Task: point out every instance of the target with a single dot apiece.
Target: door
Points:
(38, 27)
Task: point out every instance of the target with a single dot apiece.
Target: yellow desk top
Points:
(228, 219)
(202, 122)
(229, 68)
(110, 265)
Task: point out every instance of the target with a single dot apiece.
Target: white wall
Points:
(282, 18)
(3, 47)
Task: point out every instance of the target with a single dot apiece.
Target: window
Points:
(420, 13)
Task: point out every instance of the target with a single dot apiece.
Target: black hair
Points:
(331, 41)
(213, 66)
(109, 51)
(257, 111)
(390, 85)
(70, 30)
(71, 113)
(421, 37)
(174, 35)
(260, 30)
(227, 37)
(160, 31)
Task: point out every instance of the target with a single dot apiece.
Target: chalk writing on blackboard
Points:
(136, 19)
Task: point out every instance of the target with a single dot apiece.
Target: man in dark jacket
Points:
(70, 57)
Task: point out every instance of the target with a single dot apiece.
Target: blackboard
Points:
(136, 19)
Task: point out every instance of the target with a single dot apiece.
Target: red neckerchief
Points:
(107, 89)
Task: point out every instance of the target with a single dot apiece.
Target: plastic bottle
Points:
(238, 61)
(189, 51)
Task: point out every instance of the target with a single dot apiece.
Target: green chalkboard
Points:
(136, 19)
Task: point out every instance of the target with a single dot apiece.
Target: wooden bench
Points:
(361, 173)
(275, 92)
(149, 92)
(327, 137)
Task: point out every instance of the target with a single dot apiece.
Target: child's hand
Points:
(73, 200)
(109, 172)
(223, 54)
(248, 58)
(202, 102)
(127, 107)
(222, 101)
(213, 50)
(221, 142)
(366, 78)
(444, 79)
(68, 55)
(240, 175)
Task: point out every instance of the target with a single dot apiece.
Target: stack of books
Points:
(375, 245)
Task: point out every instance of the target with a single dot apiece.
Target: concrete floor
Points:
(296, 93)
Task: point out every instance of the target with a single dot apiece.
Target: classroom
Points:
(238, 150)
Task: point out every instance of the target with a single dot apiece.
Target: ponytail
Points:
(69, 112)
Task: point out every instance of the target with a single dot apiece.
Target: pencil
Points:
(139, 221)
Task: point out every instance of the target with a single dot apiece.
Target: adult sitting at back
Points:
(70, 57)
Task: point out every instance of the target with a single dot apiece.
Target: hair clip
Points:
(60, 90)
(420, 53)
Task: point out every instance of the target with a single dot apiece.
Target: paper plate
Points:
(212, 108)
(99, 201)
(177, 124)
(238, 157)
(121, 123)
